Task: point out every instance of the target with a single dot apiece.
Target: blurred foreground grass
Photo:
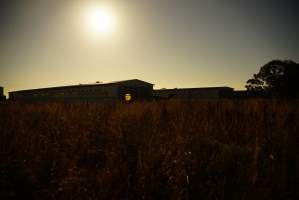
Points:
(158, 150)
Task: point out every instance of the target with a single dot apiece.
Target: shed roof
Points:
(189, 89)
(83, 85)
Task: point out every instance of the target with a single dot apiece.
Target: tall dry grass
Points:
(160, 150)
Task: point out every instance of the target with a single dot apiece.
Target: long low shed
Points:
(194, 93)
(128, 90)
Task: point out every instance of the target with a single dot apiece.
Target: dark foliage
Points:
(276, 79)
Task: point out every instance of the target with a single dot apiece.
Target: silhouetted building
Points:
(194, 93)
(2, 96)
(242, 94)
(128, 90)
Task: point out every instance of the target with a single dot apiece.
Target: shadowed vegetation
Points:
(159, 150)
(277, 79)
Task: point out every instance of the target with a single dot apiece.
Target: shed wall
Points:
(197, 93)
(105, 92)
(139, 90)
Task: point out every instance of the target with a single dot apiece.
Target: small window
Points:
(128, 97)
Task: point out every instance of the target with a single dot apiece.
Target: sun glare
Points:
(100, 20)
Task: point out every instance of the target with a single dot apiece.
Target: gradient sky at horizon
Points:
(171, 43)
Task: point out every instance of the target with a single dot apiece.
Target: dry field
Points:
(159, 150)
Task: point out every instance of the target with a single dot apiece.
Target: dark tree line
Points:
(277, 78)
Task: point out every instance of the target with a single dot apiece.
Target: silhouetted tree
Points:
(277, 78)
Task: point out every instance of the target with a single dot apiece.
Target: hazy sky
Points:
(171, 43)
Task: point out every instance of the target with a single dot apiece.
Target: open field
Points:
(160, 150)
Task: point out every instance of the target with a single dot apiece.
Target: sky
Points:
(170, 43)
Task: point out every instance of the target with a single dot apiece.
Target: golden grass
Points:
(158, 150)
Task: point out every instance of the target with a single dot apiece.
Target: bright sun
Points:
(100, 20)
